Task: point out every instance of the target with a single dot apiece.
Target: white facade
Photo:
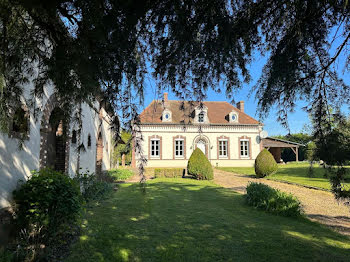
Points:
(207, 140)
(170, 130)
(16, 164)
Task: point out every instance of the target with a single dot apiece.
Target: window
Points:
(20, 121)
(89, 140)
(233, 117)
(244, 148)
(222, 148)
(166, 116)
(201, 118)
(155, 147)
(74, 137)
(179, 148)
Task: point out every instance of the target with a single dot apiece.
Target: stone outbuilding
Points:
(49, 141)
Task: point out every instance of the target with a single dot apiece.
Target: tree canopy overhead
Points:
(191, 45)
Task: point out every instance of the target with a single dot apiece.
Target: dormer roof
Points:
(183, 112)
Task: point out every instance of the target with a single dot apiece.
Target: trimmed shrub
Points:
(47, 200)
(169, 172)
(265, 164)
(199, 166)
(120, 174)
(272, 200)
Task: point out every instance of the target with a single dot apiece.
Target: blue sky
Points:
(297, 120)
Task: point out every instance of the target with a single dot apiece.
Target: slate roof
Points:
(183, 112)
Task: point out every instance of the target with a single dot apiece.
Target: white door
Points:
(201, 145)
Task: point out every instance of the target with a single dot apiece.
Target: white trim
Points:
(182, 156)
(226, 149)
(240, 148)
(156, 149)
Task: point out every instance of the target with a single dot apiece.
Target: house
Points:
(48, 142)
(172, 129)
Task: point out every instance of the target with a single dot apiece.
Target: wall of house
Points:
(88, 154)
(16, 164)
(209, 133)
(107, 135)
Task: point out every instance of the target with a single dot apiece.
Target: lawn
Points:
(119, 174)
(291, 172)
(189, 220)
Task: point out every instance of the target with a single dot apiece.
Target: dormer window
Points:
(201, 118)
(201, 115)
(233, 117)
(166, 117)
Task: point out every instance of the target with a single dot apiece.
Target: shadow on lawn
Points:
(197, 221)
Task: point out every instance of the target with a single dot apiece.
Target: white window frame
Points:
(221, 150)
(177, 148)
(151, 151)
(245, 151)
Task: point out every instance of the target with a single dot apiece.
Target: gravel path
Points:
(318, 205)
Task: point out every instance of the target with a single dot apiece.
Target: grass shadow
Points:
(189, 220)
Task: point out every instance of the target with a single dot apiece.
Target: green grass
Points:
(5, 255)
(120, 174)
(189, 220)
(292, 172)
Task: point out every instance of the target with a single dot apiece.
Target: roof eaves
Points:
(285, 141)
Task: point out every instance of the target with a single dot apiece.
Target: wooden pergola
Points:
(275, 146)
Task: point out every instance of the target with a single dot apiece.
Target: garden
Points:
(169, 218)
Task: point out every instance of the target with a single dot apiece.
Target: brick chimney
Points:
(165, 98)
(240, 106)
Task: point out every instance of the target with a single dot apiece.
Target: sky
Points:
(298, 121)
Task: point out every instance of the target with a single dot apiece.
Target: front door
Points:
(201, 146)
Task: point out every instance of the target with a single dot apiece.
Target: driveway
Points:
(318, 205)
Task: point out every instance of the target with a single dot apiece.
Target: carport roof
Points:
(276, 142)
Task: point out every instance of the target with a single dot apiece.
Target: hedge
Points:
(169, 172)
(272, 200)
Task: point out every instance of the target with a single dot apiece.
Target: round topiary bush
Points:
(265, 164)
(199, 166)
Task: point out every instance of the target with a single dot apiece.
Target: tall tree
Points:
(192, 45)
(85, 46)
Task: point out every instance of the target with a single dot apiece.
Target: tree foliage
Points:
(123, 147)
(333, 147)
(190, 45)
(106, 48)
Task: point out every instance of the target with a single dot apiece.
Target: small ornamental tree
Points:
(199, 166)
(265, 164)
(311, 152)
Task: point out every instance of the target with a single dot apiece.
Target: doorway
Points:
(56, 141)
